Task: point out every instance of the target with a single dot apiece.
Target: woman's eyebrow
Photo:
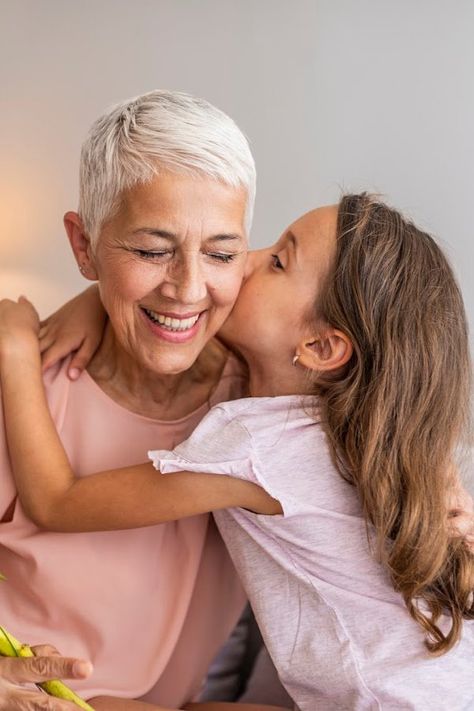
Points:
(154, 232)
(164, 234)
(223, 237)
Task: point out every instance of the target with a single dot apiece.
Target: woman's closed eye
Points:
(162, 254)
(224, 257)
(153, 255)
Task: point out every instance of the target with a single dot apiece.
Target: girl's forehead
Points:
(316, 230)
(320, 218)
(315, 237)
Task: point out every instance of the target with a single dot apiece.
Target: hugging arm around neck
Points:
(56, 499)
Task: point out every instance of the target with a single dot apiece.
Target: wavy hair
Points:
(399, 410)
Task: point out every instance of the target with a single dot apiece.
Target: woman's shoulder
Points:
(56, 375)
(57, 386)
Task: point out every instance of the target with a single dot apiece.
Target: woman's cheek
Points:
(230, 286)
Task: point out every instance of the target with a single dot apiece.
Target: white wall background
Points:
(358, 93)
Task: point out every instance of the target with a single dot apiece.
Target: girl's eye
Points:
(221, 256)
(276, 262)
(146, 254)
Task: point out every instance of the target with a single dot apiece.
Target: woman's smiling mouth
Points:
(170, 327)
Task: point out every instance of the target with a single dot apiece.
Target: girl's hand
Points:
(19, 323)
(77, 327)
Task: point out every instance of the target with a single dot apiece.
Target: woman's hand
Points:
(46, 665)
(461, 516)
(19, 324)
(460, 507)
(77, 327)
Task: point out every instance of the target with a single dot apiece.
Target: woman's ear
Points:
(81, 245)
(329, 350)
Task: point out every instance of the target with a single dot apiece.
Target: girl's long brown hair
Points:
(398, 411)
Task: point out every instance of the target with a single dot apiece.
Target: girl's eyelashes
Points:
(276, 262)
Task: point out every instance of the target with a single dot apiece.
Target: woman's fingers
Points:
(461, 520)
(45, 650)
(22, 670)
(33, 670)
(24, 700)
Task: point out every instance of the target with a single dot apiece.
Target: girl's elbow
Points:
(44, 517)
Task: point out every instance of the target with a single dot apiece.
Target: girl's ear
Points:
(81, 245)
(329, 350)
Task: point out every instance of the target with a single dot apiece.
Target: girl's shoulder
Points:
(270, 419)
(269, 410)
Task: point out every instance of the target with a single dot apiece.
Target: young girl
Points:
(330, 482)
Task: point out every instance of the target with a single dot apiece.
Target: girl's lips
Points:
(172, 336)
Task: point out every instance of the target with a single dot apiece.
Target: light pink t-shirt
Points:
(341, 638)
(148, 606)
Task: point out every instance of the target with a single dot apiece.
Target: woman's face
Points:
(272, 313)
(170, 264)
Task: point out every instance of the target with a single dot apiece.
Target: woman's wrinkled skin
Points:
(176, 248)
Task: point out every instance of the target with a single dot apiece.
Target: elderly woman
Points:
(166, 199)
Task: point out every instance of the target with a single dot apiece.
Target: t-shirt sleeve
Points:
(219, 445)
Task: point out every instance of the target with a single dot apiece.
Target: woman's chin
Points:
(169, 364)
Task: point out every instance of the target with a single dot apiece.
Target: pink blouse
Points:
(149, 607)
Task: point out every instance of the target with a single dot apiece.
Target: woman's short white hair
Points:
(159, 131)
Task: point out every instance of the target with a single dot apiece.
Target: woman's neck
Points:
(151, 394)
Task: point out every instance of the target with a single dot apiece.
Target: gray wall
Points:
(352, 93)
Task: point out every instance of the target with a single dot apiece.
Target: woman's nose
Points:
(185, 282)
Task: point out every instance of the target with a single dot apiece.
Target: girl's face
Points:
(273, 311)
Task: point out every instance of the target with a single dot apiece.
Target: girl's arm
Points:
(77, 327)
(109, 703)
(49, 491)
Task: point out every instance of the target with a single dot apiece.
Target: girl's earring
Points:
(295, 358)
(82, 269)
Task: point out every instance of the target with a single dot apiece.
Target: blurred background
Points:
(331, 93)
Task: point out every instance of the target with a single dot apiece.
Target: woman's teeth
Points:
(172, 324)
